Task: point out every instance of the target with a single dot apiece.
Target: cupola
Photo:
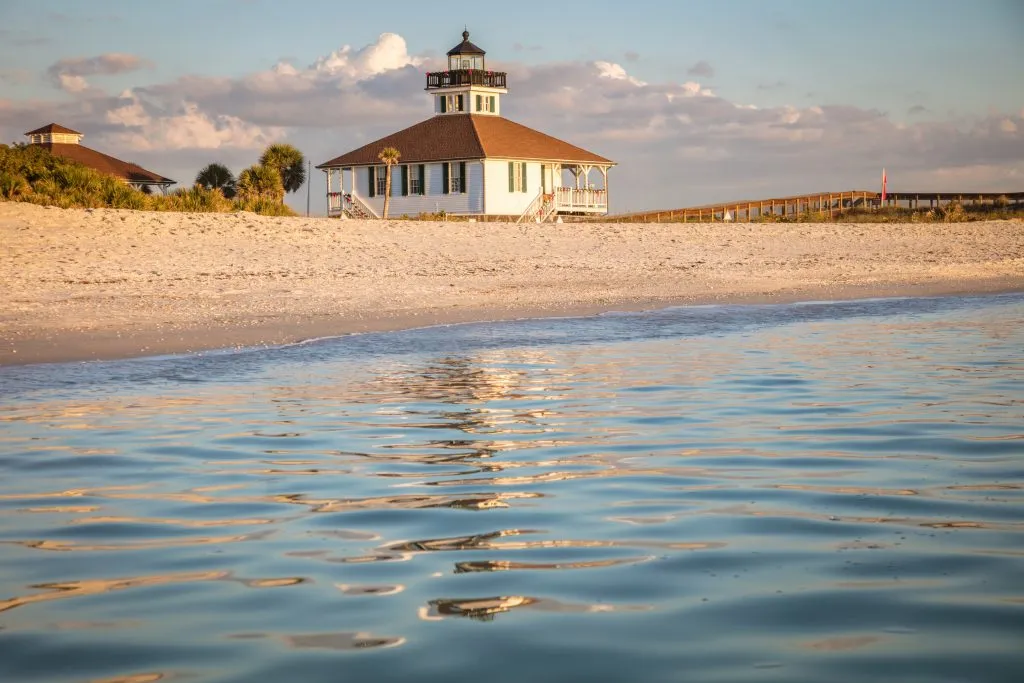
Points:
(467, 87)
(53, 133)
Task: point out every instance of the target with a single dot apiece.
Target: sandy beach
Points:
(91, 284)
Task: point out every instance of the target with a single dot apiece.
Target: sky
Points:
(697, 102)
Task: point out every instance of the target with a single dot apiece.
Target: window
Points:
(413, 180)
(382, 179)
(486, 103)
(454, 177)
(452, 103)
(516, 176)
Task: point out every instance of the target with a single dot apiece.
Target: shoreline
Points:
(106, 284)
(105, 345)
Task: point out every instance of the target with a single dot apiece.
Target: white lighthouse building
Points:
(468, 160)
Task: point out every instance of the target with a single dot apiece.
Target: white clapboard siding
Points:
(434, 200)
(500, 201)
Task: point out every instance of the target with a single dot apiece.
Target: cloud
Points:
(388, 53)
(186, 128)
(22, 38)
(677, 143)
(701, 69)
(616, 72)
(917, 110)
(70, 73)
(15, 76)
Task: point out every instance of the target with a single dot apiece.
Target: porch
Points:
(348, 205)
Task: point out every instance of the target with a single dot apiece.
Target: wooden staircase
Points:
(540, 209)
(356, 208)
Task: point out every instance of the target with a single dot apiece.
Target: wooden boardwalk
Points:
(831, 203)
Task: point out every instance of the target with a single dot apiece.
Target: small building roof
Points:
(465, 47)
(52, 128)
(468, 136)
(104, 163)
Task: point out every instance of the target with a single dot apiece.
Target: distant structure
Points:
(468, 160)
(67, 143)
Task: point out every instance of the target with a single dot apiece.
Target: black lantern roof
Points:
(465, 47)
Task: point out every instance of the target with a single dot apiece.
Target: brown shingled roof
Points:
(104, 163)
(52, 128)
(452, 137)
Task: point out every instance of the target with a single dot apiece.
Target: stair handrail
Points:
(357, 202)
(540, 208)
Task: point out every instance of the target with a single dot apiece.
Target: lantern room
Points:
(465, 56)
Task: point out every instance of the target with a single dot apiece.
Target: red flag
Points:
(883, 186)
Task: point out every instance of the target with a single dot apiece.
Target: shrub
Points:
(260, 182)
(13, 187)
(953, 213)
(264, 206)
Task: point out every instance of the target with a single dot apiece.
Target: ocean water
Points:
(813, 492)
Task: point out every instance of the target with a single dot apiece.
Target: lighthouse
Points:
(469, 160)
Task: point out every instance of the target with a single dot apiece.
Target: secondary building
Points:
(468, 160)
(67, 143)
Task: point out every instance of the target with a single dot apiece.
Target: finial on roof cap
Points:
(465, 34)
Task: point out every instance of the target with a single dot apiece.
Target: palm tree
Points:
(260, 182)
(390, 157)
(217, 177)
(290, 165)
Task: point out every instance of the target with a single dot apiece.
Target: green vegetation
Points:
(289, 163)
(29, 173)
(217, 177)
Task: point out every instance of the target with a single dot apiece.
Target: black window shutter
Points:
(493, 104)
(524, 177)
(371, 174)
(444, 178)
(423, 178)
(511, 176)
(460, 107)
(462, 174)
(444, 104)
(405, 181)
(479, 102)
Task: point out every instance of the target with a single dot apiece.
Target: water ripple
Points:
(798, 493)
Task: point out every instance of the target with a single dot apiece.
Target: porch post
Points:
(604, 176)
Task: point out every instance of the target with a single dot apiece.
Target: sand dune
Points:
(82, 284)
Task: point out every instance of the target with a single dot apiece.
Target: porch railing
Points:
(460, 77)
(334, 203)
(571, 199)
(346, 203)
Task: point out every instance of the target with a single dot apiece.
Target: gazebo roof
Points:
(52, 128)
(104, 163)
